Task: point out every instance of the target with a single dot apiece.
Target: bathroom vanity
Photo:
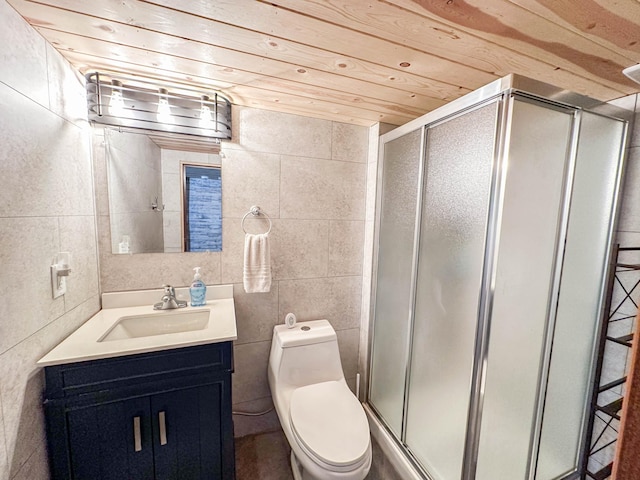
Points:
(139, 404)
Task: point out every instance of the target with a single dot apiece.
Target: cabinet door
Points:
(111, 441)
(188, 433)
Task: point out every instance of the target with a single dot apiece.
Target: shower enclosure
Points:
(494, 228)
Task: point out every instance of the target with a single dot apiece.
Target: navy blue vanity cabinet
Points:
(153, 416)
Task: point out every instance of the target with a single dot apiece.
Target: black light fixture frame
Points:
(141, 106)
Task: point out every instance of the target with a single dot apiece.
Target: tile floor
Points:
(265, 456)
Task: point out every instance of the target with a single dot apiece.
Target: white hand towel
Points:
(257, 263)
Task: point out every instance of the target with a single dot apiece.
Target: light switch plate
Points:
(58, 284)
(59, 272)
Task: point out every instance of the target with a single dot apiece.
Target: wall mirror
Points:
(161, 200)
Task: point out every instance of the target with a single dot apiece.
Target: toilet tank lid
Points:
(304, 333)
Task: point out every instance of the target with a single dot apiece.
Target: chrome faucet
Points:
(169, 300)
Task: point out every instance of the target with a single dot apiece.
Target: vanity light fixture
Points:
(206, 119)
(164, 109)
(116, 105)
(171, 111)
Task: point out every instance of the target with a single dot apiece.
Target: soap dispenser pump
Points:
(198, 290)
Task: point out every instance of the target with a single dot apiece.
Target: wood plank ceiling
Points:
(354, 61)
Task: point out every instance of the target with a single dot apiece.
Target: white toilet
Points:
(323, 420)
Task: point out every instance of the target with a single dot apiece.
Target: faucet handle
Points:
(169, 300)
(169, 290)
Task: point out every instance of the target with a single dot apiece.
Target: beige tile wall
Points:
(46, 206)
(309, 176)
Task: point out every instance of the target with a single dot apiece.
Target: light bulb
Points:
(164, 109)
(206, 118)
(116, 105)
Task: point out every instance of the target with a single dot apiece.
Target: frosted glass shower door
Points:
(538, 153)
(455, 206)
(400, 179)
(587, 249)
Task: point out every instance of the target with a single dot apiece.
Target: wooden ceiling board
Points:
(251, 96)
(220, 76)
(343, 45)
(614, 24)
(143, 20)
(364, 112)
(353, 61)
(443, 38)
(571, 60)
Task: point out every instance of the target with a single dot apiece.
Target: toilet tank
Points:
(305, 354)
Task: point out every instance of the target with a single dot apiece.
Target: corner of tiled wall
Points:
(46, 206)
(375, 132)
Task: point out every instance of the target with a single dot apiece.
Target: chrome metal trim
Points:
(184, 221)
(482, 94)
(554, 293)
(551, 93)
(572, 475)
(98, 92)
(487, 289)
(371, 210)
(401, 445)
(137, 437)
(163, 427)
(215, 111)
(511, 84)
(372, 306)
(374, 268)
(422, 171)
(594, 107)
(374, 262)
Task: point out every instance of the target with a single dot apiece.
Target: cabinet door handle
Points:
(163, 428)
(137, 437)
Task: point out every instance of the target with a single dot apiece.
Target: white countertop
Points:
(84, 344)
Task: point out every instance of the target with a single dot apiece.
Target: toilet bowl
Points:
(324, 422)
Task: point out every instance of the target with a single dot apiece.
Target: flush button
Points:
(305, 328)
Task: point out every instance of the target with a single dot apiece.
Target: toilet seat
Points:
(330, 425)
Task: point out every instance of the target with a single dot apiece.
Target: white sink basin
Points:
(127, 324)
(157, 323)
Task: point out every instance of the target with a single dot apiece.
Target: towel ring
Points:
(255, 211)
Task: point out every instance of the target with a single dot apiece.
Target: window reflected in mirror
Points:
(202, 208)
(161, 200)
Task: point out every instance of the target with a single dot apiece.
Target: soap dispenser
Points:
(198, 290)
